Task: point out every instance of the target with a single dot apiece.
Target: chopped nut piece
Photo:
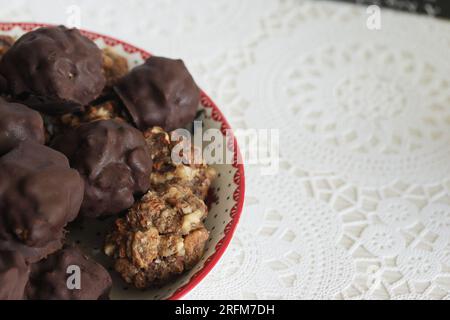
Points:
(167, 211)
(128, 271)
(144, 247)
(71, 120)
(197, 177)
(194, 246)
(170, 245)
(152, 211)
(158, 142)
(114, 66)
(192, 221)
(104, 111)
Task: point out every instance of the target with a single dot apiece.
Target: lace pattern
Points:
(361, 208)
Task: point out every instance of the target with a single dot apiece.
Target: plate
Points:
(225, 208)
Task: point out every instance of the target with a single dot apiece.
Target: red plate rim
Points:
(239, 177)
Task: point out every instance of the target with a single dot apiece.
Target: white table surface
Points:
(361, 206)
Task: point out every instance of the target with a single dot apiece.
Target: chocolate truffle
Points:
(39, 195)
(113, 159)
(14, 273)
(161, 92)
(19, 123)
(54, 70)
(49, 279)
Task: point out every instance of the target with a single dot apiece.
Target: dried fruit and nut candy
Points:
(114, 66)
(54, 70)
(161, 236)
(48, 278)
(39, 195)
(19, 123)
(112, 158)
(103, 111)
(158, 142)
(195, 176)
(161, 92)
(176, 210)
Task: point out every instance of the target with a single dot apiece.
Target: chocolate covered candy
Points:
(14, 273)
(39, 195)
(161, 92)
(50, 278)
(113, 159)
(54, 70)
(19, 123)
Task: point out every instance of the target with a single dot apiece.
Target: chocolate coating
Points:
(113, 159)
(14, 273)
(39, 195)
(54, 70)
(19, 123)
(161, 92)
(3, 85)
(49, 278)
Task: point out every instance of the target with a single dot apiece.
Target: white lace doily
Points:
(361, 208)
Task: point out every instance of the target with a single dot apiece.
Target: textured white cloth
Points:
(361, 208)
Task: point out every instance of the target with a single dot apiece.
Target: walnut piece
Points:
(114, 66)
(197, 177)
(194, 246)
(158, 142)
(102, 111)
(176, 210)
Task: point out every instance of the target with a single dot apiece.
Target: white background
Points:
(361, 205)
